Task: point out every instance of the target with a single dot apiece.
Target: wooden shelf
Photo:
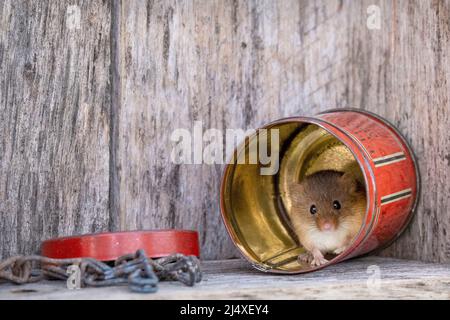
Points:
(236, 279)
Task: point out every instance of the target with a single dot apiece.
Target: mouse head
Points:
(326, 199)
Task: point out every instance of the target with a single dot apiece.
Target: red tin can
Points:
(254, 207)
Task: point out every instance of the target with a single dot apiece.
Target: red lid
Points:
(110, 246)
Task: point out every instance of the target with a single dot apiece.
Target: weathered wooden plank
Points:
(181, 62)
(410, 87)
(54, 120)
(399, 71)
(367, 278)
(228, 64)
(239, 64)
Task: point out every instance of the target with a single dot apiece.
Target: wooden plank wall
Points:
(54, 120)
(85, 129)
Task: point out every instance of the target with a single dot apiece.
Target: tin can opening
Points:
(255, 207)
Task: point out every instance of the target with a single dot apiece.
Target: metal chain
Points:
(139, 272)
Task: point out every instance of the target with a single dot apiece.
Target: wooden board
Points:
(179, 64)
(227, 64)
(240, 64)
(87, 109)
(408, 84)
(368, 278)
(399, 71)
(54, 121)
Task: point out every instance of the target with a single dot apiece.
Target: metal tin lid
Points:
(110, 246)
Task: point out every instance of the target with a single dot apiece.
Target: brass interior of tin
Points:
(256, 206)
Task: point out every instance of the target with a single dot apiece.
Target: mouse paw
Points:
(318, 261)
(318, 258)
(306, 257)
(315, 258)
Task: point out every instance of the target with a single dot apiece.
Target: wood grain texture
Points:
(229, 64)
(240, 64)
(54, 120)
(235, 279)
(401, 72)
(87, 112)
(410, 87)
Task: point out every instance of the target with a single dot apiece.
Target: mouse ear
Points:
(349, 183)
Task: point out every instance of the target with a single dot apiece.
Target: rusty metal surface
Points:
(139, 272)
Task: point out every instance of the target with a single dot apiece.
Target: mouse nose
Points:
(327, 226)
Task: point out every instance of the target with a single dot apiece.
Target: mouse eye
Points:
(336, 205)
(313, 209)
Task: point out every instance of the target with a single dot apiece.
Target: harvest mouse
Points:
(328, 209)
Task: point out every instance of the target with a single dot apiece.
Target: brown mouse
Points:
(328, 209)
